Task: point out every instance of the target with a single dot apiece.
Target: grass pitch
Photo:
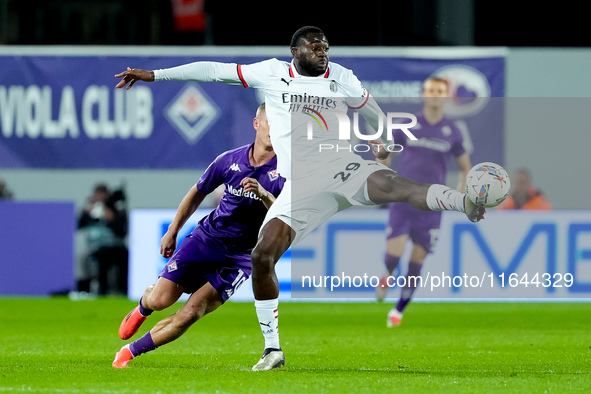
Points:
(56, 345)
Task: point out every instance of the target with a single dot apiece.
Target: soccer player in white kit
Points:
(325, 182)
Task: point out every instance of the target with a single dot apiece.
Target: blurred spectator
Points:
(5, 194)
(188, 15)
(525, 195)
(101, 252)
(189, 20)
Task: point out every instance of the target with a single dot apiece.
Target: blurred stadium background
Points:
(543, 85)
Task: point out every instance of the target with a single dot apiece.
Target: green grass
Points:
(56, 345)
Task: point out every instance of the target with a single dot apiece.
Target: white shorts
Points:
(304, 204)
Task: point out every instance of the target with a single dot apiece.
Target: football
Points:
(487, 184)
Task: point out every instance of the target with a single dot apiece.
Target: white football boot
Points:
(394, 318)
(474, 212)
(271, 359)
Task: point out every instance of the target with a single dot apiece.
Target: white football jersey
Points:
(294, 103)
(298, 107)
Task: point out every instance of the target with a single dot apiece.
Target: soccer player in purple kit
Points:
(425, 161)
(215, 259)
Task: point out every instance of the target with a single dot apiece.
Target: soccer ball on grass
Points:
(487, 184)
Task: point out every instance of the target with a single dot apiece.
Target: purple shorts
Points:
(422, 227)
(194, 263)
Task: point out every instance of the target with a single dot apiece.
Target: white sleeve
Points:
(361, 101)
(201, 72)
(256, 75)
(372, 112)
(357, 95)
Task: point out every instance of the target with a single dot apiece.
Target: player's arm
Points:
(379, 151)
(382, 158)
(372, 112)
(360, 100)
(187, 207)
(387, 161)
(197, 71)
(398, 137)
(464, 164)
(252, 185)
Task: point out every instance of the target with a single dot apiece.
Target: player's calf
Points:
(386, 186)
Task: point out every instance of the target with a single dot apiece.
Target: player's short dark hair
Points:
(302, 32)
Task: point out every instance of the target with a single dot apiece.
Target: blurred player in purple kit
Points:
(215, 259)
(424, 160)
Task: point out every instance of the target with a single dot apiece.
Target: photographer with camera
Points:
(101, 252)
(5, 193)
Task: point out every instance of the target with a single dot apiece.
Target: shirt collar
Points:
(294, 73)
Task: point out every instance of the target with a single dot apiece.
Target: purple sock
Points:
(391, 262)
(143, 345)
(145, 311)
(414, 270)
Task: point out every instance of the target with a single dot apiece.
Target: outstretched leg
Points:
(386, 186)
(156, 297)
(274, 239)
(203, 301)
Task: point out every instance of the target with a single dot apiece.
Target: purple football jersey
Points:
(425, 160)
(234, 224)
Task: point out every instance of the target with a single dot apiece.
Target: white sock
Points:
(269, 322)
(443, 198)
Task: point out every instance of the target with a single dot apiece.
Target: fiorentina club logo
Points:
(273, 175)
(172, 266)
(192, 113)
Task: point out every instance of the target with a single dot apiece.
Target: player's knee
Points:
(388, 187)
(261, 255)
(158, 302)
(262, 259)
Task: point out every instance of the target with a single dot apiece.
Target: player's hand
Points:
(379, 150)
(132, 75)
(252, 185)
(168, 245)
